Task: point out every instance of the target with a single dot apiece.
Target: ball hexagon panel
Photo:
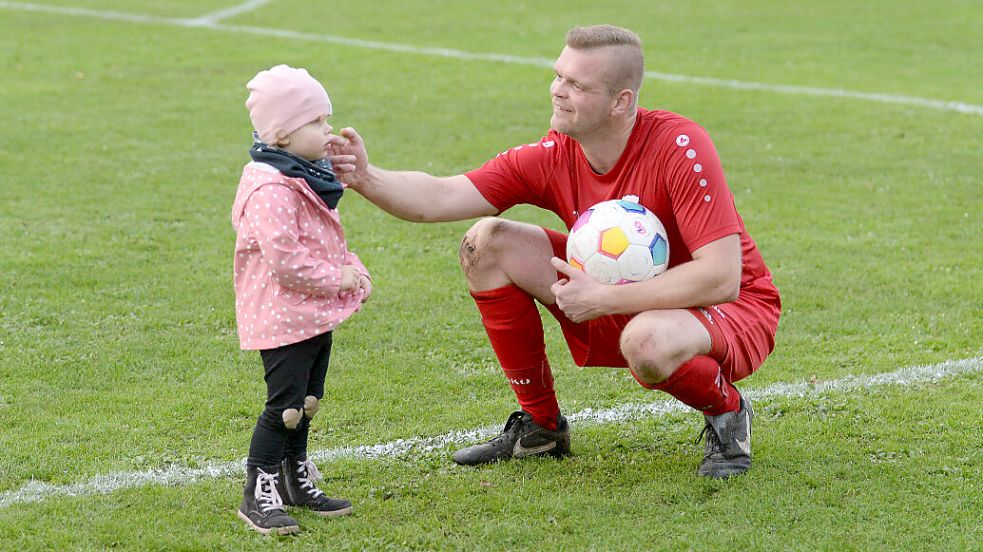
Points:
(583, 243)
(635, 263)
(606, 215)
(660, 251)
(638, 227)
(613, 242)
(603, 269)
(631, 206)
(583, 219)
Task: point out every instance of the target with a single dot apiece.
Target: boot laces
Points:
(712, 439)
(267, 497)
(512, 425)
(307, 474)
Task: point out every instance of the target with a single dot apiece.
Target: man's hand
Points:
(578, 295)
(348, 156)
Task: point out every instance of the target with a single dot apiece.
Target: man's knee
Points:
(640, 347)
(478, 244)
(652, 347)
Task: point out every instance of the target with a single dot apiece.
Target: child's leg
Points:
(298, 473)
(286, 374)
(296, 446)
(287, 370)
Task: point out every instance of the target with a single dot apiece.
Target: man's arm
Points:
(421, 197)
(410, 195)
(712, 277)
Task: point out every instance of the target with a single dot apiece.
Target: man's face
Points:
(582, 100)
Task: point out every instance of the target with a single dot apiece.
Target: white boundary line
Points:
(210, 22)
(217, 16)
(36, 491)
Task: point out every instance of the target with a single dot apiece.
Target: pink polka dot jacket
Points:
(288, 256)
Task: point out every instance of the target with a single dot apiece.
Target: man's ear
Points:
(623, 102)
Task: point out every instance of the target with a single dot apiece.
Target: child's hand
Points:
(366, 284)
(349, 278)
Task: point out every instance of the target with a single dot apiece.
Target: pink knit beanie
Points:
(283, 99)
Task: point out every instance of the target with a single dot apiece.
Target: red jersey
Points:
(669, 162)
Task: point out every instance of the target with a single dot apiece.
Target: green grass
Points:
(121, 145)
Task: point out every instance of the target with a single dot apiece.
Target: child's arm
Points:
(352, 259)
(271, 212)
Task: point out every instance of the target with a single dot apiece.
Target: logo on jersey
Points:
(546, 144)
(682, 140)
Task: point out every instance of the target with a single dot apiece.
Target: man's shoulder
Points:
(547, 150)
(669, 129)
(662, 118)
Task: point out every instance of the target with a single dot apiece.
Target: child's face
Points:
(311, 140)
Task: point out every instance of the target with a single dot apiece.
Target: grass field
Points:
(121, 142)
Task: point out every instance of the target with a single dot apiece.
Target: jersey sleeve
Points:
(272, 213)
(518, 175)
(702, 202)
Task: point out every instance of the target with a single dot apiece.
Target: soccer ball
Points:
(618, 241)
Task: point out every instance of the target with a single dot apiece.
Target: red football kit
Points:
(670, 163)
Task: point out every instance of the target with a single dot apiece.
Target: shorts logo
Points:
(682, 140)
(706, 314)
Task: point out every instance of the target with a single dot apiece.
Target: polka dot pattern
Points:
(691, 154)
(287, 265)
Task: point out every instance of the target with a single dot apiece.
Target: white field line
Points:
(210, 22)
(215, 17)
(36, 491)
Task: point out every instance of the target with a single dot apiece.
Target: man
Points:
(707, 322)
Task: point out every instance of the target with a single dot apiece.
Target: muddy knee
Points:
(477, 246)
(645, 351)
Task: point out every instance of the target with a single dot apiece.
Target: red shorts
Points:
(742, 333)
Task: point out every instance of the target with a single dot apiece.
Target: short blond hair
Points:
(628, 70)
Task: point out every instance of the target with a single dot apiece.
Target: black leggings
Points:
(292, 373)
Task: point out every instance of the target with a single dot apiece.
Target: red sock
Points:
(515, 331)
(700, 384)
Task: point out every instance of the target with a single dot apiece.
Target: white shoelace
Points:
(267, 497)
(307, 474)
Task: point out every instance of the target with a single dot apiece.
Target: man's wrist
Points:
(361, 181)
(611, 299)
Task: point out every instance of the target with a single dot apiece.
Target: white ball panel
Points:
(603, 269)
(635, 263)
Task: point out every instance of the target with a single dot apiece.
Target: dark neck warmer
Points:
(318, 174)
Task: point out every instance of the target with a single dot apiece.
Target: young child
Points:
(295, 282)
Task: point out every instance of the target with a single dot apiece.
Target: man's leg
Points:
(668, 350)
(507, 266)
